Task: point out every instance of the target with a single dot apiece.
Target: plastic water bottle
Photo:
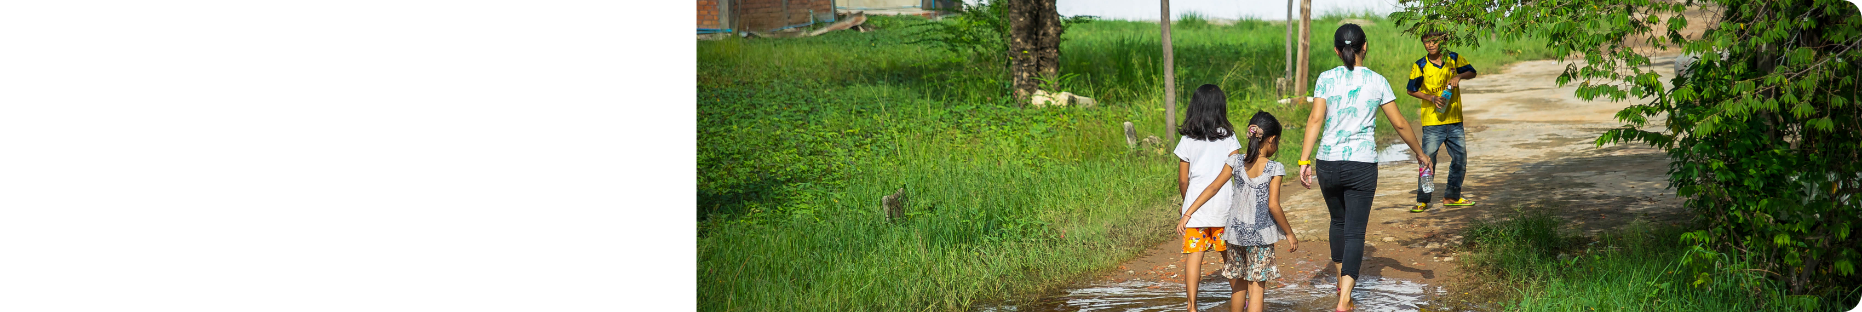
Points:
(1426, 177)
(1447, 93)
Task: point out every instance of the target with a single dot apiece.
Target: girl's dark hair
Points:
(1270, 128)
(1208, 116)
(1349, 40)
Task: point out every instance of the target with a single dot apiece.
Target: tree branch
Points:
(1807, 69)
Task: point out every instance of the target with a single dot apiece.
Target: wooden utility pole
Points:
(1170, 76)
(1299, 86)
(1287, 75)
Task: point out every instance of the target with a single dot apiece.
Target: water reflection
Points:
(1373, 294)
(1395, 153)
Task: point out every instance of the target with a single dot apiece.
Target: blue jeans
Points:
(1455, 137)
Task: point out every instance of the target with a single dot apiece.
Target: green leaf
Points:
(1802, 109)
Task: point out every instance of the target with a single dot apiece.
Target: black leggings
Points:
(1348, 187)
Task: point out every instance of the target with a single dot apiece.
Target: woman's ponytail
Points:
(1349, 39)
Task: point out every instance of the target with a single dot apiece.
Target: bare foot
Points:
(1346, 305)
(1344, 302)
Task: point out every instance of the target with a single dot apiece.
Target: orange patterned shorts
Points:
(1199, 239)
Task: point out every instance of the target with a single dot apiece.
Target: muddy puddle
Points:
(1302, 286)
(1394, 153)
(1373, 294)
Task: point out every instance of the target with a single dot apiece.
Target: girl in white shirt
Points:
(1208, 140)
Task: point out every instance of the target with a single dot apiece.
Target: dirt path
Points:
(1529, 144)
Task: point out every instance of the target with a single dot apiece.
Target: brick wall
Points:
(765, 15)
(708, 14)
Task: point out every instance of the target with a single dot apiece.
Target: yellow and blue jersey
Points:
(1432, 78)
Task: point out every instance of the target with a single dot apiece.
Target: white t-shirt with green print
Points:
(1351, 98)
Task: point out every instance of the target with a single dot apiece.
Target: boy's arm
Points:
(1415, 86)
(1208, 192)
(1280, 216)
(1463, 70)
(1431, 98)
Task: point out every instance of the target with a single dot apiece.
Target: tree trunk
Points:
(1170, 75)
(1034, 44)
(1299, 85)
(1047, 52)
(1021, 40)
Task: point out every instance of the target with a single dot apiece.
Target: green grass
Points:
(1530, 263)
(1122, 60)
(799, 138)
(1010, 202)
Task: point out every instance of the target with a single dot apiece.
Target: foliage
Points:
(1002, 201)
(1763, 135)
(1190, 20)
(978, 33)
(1530, 262)
(1063, 83)
(747, 176)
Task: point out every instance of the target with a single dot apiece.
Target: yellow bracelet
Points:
(1305, 162)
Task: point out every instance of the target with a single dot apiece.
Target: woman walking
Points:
(1345, 98)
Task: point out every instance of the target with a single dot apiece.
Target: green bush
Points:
(1533, 262)
(1763, 136)
(978, 33)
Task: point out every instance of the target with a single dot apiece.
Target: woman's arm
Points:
(1208, 192)
(1280, 216)
(1402, 129)
(1315, 122)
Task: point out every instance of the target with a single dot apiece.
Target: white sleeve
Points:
(1383, 91)
(1233, 146)
(1183, 149)
(1320, 85)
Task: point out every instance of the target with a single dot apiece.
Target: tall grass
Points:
(1005, 201)
(799, 138)
(1532, 263)
(1122, 59)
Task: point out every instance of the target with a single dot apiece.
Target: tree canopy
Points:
(1761, 129)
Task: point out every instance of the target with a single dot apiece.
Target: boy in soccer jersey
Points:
(1441, 117)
